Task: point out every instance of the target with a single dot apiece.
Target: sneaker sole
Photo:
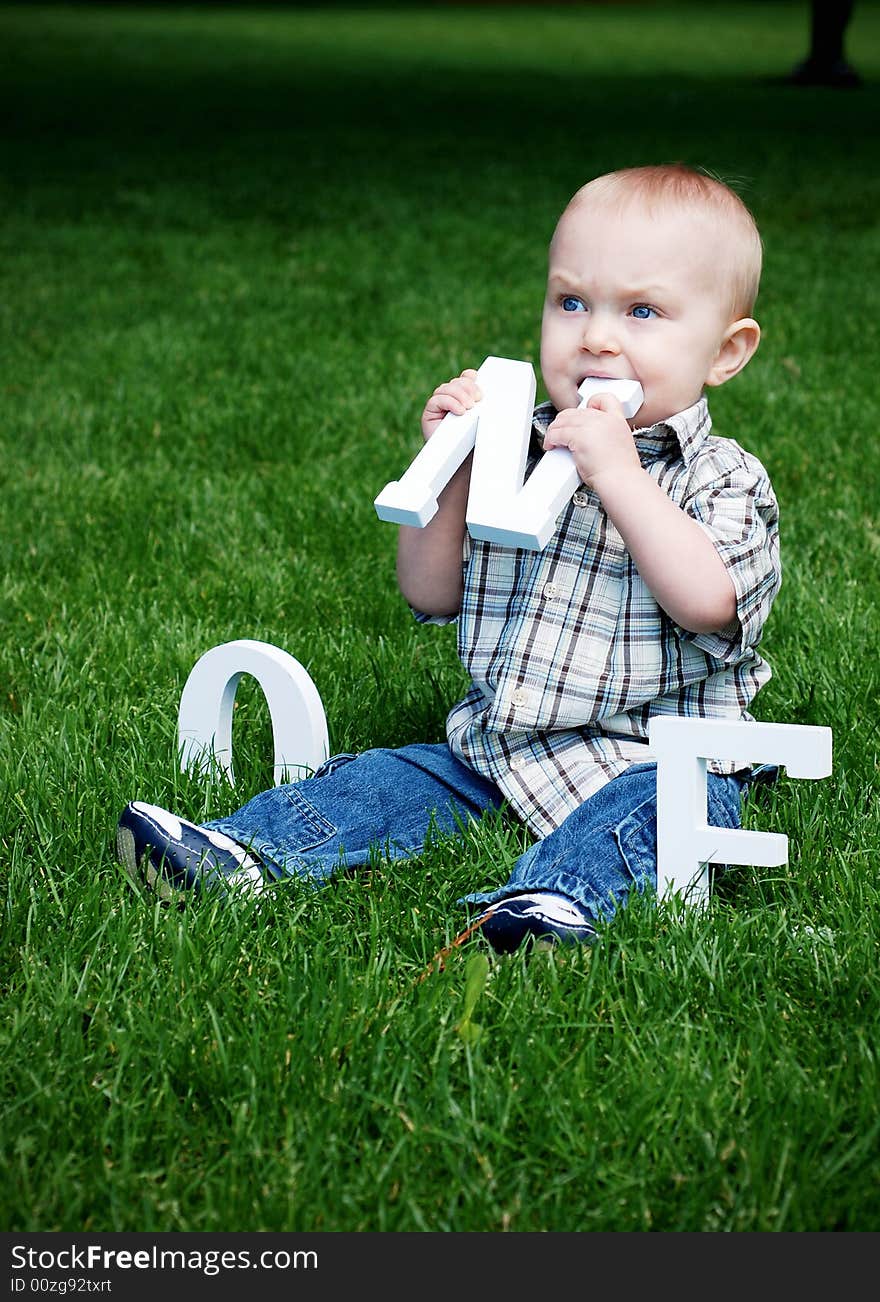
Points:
(141, 874)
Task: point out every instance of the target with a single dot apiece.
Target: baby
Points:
(650, 598)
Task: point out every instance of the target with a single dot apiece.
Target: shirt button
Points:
(551, 590)
(518, 764)
(519, 697)
(581, 498)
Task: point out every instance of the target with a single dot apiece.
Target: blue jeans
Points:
(391, 802)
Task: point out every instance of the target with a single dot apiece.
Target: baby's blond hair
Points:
(675, 185)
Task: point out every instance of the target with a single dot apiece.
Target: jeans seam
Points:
(625, 834)
(318, 824)
(320, 828)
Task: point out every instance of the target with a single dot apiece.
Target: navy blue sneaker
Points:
(537, 915)
(172, 855)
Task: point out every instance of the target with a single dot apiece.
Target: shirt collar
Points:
(687, 428)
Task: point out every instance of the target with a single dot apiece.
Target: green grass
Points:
(237, 249)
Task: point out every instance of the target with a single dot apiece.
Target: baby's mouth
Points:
(599, 375)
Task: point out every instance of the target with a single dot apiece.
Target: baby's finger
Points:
(606, 402)
(457, 396)
(556, 436)
(467, 383)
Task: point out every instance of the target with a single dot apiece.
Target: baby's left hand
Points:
(598, 437)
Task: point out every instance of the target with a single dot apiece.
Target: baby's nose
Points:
(599, 335)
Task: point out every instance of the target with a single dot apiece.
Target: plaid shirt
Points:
(569, 654)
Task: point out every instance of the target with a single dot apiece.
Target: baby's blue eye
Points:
(572, 304)
(642, 312)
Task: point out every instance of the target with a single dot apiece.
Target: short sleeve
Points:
(421, 618)
(739, 512)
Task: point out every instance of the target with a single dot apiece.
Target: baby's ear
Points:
(738, 345)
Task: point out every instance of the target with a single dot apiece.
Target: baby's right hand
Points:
(457, 396)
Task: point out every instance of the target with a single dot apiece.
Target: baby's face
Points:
(633, 296)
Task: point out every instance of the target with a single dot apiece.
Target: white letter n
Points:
(501, 507)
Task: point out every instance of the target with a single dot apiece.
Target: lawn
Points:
(238, 248)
